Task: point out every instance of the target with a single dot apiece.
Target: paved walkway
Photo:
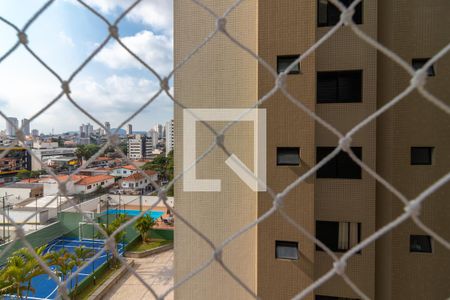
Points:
(156, 270)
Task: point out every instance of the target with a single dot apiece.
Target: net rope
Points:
(412, 207)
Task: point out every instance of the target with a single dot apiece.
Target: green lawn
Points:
(87, 291)
(140, 247)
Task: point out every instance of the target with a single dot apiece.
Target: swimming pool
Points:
(131, 212)
(44, 286)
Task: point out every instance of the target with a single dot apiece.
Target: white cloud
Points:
(67, 40)
(156, 13)
(155, 50)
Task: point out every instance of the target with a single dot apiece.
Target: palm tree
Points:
(81, 256)
(20, 269)
(112, 228)
(143, 225)
(64, 261)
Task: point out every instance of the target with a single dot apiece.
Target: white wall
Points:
(19, 216)
(84, 188)
(17, 195)
(51, 187)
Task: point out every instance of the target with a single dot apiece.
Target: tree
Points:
(143, 225)
(64, 261)
(86, 151)
(163, 165)
(23, 174)
(81, 256)
(20, 269)
(111, 228)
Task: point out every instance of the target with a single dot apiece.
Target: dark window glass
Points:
(340, 166)
(329, 15)
(286, 250)
(284, 61)
(327, 233)
(339, 86)
(321, 297)
(338, 236)
(421, 155)
(418, 63)
(288, 156)
(420, 243)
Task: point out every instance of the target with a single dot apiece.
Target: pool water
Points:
(131, 212)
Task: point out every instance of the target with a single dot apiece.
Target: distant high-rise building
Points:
(169, 136)
(35, 133)
(108, 127)
(130, 129)
(86, 130)
(154, 135)
(26, 126)
(159, 129)
(140, 147)
(10, 130)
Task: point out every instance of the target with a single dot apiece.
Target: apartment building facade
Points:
(140, 147)
(343, 81)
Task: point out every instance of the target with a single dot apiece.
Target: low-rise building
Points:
(123, 171)
(90, 184)
(138, 182)
(18, 192)
(51, 186)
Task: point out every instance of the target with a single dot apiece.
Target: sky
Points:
(111, 87)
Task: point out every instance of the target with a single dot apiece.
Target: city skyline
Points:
(112, 87)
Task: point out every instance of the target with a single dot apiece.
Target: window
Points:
(284, 61)
(286, 250)
(89, 187)
(320, 297)
(340, 166)
(329, 15)
(418, 63)
(288, 156)
(421, 155)
(131, 185)
(420, 243)
(338, 236)
(339, 86)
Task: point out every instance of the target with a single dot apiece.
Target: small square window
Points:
(421, 155)
(288, 156)
(420, 243)
(286, 250)
(284, 61)
(418, 63)
(329, 15)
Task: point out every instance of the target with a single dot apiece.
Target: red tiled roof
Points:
(30, 180)
(93, 179)
(62, 178)
(129, 167)
(138, 176)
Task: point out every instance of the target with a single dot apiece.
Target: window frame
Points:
(331, 8)
(429, 241)
(288, 164)
(293, 57)
(338, 77)
(430, 153)
(336, 161)
(286, 244)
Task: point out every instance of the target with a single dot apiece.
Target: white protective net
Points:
(412, 206)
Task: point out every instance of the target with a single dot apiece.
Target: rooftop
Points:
(139, 176)
(94, 179)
